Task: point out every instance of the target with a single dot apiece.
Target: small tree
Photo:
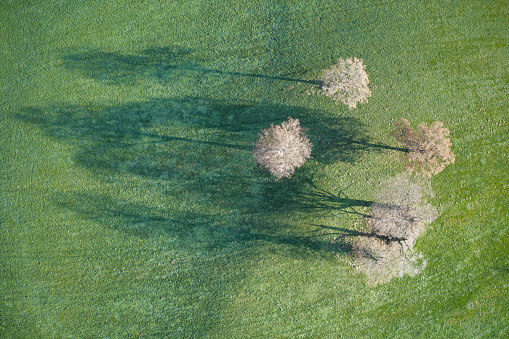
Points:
(347, 81)
(429, 147)
(400, 211)
(282, 148)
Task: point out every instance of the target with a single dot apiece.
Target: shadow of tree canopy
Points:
(107, 135)
(187, 230)
(303, 195)
(195, 152)
(162, 64)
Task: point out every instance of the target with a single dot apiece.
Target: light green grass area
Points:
(132, 207)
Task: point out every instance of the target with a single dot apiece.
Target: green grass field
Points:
(132, 206)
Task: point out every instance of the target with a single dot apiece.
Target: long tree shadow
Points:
(197, 151)
(347, 233)
(111, 137)
(301, 194)
(335, 138)
(162, 64)
(204, 232)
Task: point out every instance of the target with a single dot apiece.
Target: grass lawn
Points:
(131, 205)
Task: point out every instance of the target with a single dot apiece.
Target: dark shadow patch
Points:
(162, 64)
(189, 229)
(206, 161)
(112, 138)
(303, 195)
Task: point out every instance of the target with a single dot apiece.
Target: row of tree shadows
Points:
(108, 138)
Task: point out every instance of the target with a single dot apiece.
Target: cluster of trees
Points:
(283, 148)
(400, 211)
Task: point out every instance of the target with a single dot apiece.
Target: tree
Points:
(400, 210)
(282, 148)
(399, 214)
(347, 81)
(429, 148)
(381, 260)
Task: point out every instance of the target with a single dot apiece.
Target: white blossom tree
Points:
(282, 148)
(347, 81)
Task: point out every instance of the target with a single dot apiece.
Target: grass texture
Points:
(132, 207)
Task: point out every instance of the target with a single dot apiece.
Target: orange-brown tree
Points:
(429, 148)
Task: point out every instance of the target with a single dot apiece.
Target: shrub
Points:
(347, 81)
(400, 211)
(429, 149)
(282, 148)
